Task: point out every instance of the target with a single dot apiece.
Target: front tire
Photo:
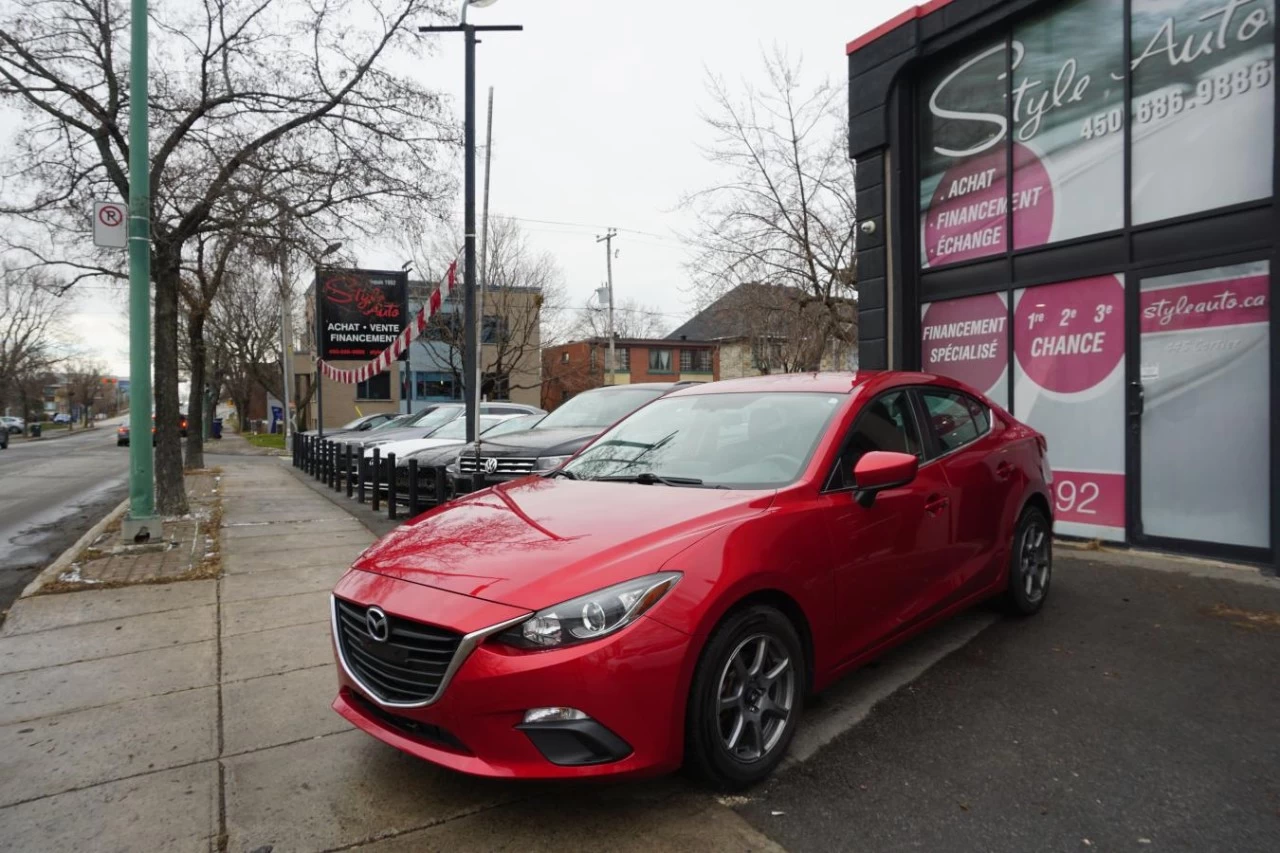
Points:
(746, 698)
(1030, 564)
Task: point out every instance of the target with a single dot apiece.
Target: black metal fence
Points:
(406, 490)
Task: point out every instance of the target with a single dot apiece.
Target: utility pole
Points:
(471, 356)
(607, 239)
(484, 253)
(137, 523)
(286, 342)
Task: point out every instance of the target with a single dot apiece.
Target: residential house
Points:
(765, 328)
(568, 369)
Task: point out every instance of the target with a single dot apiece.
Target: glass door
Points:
(1202, 403)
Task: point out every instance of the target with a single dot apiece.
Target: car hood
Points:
(540, 540)
(430, 457)
(537, 442)
(401, 434)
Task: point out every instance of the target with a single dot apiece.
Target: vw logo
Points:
(491, 465)
(377, 624)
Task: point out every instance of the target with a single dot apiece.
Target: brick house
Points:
(568, 369)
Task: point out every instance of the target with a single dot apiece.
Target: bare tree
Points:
(245, 321)
(631, 319)
(785, 211)
(524, 293)
(250, 101)
(84, 385)
(29, 326)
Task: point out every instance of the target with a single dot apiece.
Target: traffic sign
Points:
(110, 225)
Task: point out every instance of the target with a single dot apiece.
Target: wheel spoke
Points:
(735, 733)
(757, 663)
(778, 669)
(1029, 583)
(757, 737)
(740, 670)
(730, 702)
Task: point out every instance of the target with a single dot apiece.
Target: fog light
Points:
(553, 715)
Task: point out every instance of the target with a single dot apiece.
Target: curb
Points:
(51, 571)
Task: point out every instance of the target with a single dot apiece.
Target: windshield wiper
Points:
(648, 478)
(560, 472)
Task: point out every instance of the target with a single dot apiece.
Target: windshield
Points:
(437, 417)
(397, 421)
(741, 441)
(598, 409)
(519, 424)
(457, 428)
(353, 424)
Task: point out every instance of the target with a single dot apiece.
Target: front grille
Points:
(506, 465)
(408, 667)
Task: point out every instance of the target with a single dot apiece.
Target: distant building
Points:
(766, 328)
(571, 368)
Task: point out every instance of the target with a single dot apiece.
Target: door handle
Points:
(1003, 471)
(936, 504)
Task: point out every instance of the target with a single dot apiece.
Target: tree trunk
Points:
(242, 409)
(171, 493)
(195, 406)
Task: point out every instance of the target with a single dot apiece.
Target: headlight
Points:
(548, 463)
(592, 616)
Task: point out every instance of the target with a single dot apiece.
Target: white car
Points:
(454, 432)
(12, 425)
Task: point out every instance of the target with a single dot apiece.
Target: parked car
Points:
(453, 433)
(427, 421)
(12, 425)
(364, 423)
(430, 458)
(556, 437)
(122, 434)
(675, 592)
(62, 418)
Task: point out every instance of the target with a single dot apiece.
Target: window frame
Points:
(387, 399)
(671, 362)
(913, 408)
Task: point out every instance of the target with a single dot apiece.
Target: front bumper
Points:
(629, 683)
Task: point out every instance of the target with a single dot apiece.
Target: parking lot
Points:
(1136, 712)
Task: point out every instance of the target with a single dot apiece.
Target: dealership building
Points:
(1070, 205)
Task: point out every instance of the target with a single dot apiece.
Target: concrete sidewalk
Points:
(195, 716)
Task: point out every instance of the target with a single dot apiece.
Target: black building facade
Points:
(1070, 204)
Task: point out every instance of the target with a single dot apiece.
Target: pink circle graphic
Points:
(967, 215)
(1068, 337)
(966, 339)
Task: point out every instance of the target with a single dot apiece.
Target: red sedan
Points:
(673, 593)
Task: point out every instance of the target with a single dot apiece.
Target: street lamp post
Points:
(471, 355)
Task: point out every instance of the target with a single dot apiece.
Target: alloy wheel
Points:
(755, 697)
(1033, 560)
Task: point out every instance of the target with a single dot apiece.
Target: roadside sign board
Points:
(110, 225)
(361, 311)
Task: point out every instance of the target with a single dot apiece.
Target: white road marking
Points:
(850, 700)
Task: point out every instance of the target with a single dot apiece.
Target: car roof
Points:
(825, 382)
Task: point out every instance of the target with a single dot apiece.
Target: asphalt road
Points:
(51, 492)
(1140, 711)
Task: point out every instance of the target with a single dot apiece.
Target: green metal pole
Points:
(141, 477)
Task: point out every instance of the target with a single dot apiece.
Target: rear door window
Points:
(955, 418)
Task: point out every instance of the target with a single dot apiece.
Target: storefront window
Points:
(1206, 432)
(968, 339)
(1068, 343)
(1068, 118)
(963, 163)
(1203, 108)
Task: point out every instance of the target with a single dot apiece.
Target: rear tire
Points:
(1030, 564)
(746, 699)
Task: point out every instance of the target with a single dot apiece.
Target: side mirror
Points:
(878, 470)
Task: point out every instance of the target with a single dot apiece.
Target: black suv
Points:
(555, 438)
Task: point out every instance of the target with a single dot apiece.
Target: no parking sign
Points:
(110, 225)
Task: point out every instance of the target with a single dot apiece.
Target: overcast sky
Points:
(596, 124)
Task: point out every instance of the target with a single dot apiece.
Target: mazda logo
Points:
(491, 465)
(377, 624)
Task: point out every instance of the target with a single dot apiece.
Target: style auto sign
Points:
(361, 311)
